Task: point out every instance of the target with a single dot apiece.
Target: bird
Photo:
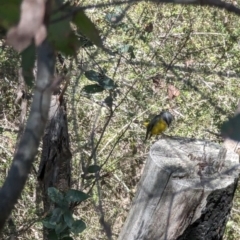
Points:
(159, 124)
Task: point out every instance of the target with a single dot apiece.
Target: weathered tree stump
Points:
(185, 192)
(55, 165)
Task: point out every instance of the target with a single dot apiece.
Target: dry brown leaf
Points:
(188, 63)
(158, 83)
(30, 25)
(148, 28)
(172, 92)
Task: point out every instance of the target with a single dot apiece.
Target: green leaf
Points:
(65, 234)
(78, 226)
(56, 216)
(55, 195)
(11, 16)
(93, 169)
(68, 218)
(75, 196)
(94, 88)
(127, 49)
(47, 224)
(124, 48)
(107, 83)
(52, 235)
(60, 227)
(62, 37)
(115, 17)
(87, 28)
(93, 75)
(104, 81)
(27, 61)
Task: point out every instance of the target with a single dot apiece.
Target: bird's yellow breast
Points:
(159, 127)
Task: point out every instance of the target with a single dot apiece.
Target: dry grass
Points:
(196, 53)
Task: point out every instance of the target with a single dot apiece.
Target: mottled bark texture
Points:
(185, 192)
(55, 165)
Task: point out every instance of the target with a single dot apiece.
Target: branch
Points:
(27, 148)
(212, 3)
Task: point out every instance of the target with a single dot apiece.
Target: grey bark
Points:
(55, 165)
(28, 145)
(185, 192)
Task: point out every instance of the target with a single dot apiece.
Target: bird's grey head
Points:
(167, 117)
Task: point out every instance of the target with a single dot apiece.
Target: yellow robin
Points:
(159, 124)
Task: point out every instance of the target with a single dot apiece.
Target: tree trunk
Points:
(30, 139)
(185, 192)
(55, 165)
